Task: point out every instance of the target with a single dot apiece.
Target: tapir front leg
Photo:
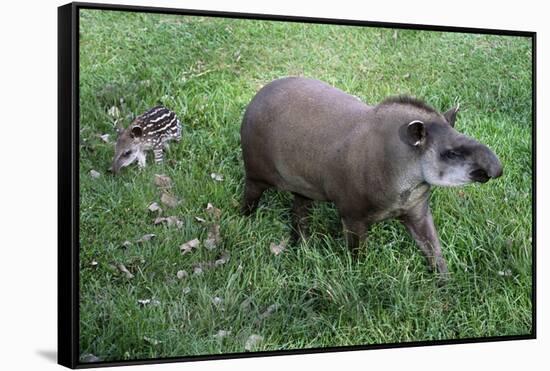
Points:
(300, 213)
(159, 154)
(421, 226)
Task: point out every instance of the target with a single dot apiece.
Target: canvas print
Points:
(254, 185)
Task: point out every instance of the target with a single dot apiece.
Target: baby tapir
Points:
(151, 130)
(373, 162)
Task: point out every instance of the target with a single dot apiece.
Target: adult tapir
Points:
(373, 162)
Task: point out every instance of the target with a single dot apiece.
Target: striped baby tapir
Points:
(149, 131)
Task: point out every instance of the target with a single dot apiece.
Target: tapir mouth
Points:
(480, 176)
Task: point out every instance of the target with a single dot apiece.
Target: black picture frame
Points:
(68, 180)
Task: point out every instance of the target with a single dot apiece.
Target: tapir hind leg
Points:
(253, 190)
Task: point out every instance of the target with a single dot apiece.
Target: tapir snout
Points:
(489, 166)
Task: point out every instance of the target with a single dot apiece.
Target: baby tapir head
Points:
(447, 157)
(150, 130)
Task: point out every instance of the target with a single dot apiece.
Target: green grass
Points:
(207, 70)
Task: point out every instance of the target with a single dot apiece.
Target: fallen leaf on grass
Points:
(252, 342)
(169, 221)
(94, 174)
(152, 341)
(200, 220)
(163, 181)
(216, 177)
(182, 274)
(186, 290)
(505, 273)
(276, 249)
(125, 271)
(222, 334)
(169, 200)
(224, 258)
(213, 237)
(213, 211)
(221, 260)
(146, 237)
(104, 137)
(94, 263)
(154, 207)
(197, 271)
(217, 300)
(189, 246)
(126, 244)
(145, 302)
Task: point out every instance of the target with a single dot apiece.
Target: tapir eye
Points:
(127, 153)
(452, 155)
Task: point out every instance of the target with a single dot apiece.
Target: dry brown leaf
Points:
(213, 239)
(169, 221)
(154, 207)
(95, 174)
(252, 342)
(216, 300)
(104, 137)
(222, 334)
(222, 259)
(182, 274)
(505, 273)
(125, 271)
(169, 200)
(145, 302)
(276, 249)
(189, 246)
(146, 237)
(213, 211)
(152, 341)
(163, 181)
(216, 177)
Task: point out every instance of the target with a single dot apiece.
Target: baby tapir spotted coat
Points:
(151, 130)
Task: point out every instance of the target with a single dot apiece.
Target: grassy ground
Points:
(207, 70)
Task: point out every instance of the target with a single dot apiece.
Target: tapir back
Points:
(294, 129)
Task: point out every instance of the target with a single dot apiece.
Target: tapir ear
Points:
(136, 132)
(416, 133)
(450, 115)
